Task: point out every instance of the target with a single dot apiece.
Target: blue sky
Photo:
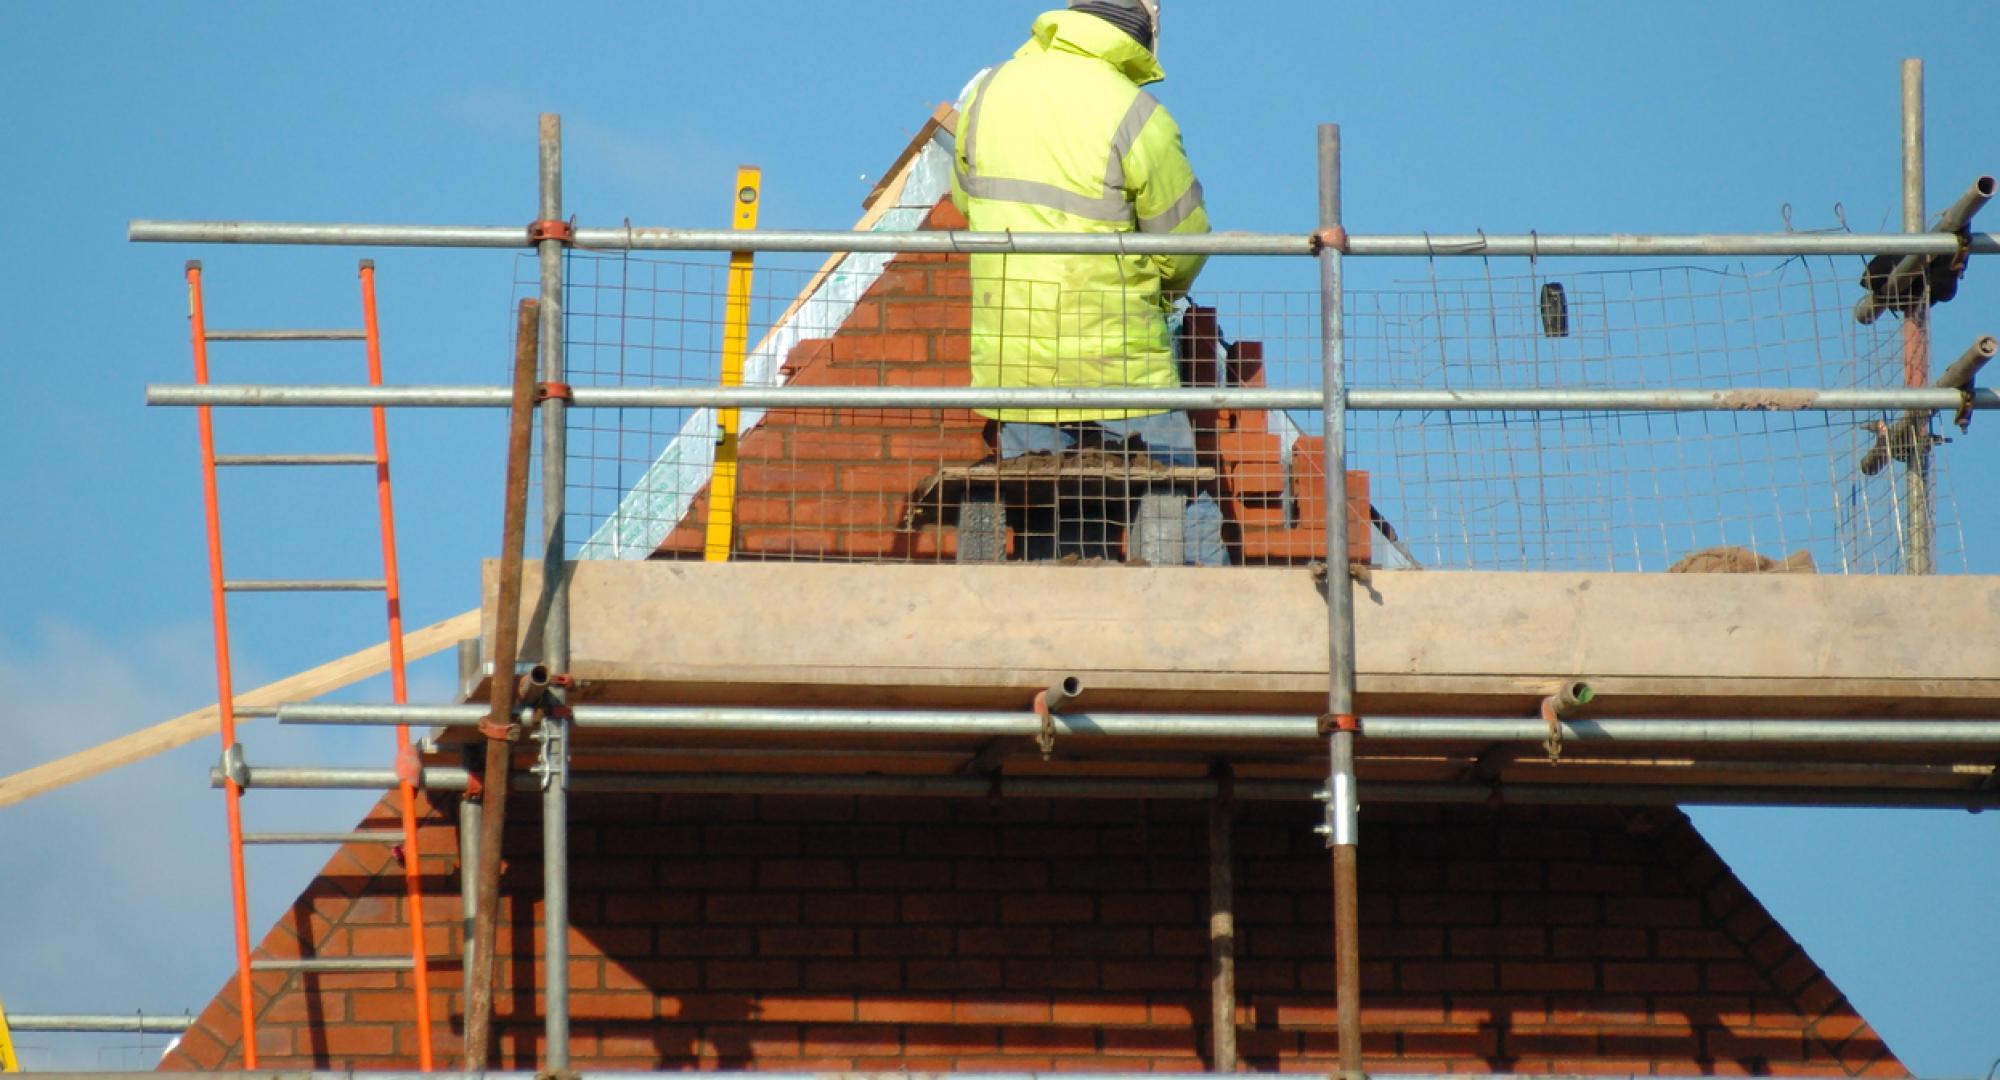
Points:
(1456, 116)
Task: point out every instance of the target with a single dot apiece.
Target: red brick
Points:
(1592, 877)
(356, 1040)
(702, 941)
(954, 446)
(751, 974)
(951, 348)
(804, 1008)
(902, 277)
(853, 1039)
(1595, 942)
(929, 314)
(949, 908)
(853, 974)
(752, 908)
(786, 476)
(1498, 941)
(999, 1009)
(1654, 978)
(953, 974)
(1047, 908)
(907, 1010)
(836, 445)
(1151, 975)
(1052, 974)
(856, 908)
(951, 283)
(867, 350)
(806, 941)
(1523, 975)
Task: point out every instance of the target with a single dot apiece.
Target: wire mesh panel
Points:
(1770, 488)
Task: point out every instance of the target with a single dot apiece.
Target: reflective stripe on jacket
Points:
(1061, 139)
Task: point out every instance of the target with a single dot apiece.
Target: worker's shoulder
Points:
(1086, 79)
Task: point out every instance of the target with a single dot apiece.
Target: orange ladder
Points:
(235, 774)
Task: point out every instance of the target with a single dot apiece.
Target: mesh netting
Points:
(1520, 490)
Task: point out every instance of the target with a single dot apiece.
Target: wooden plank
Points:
(1186, 638)
(188, 727)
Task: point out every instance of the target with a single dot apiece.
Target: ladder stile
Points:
(225, 695)
(409, 765)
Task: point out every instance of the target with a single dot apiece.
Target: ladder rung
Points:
(352, 963)
(359, 836)
(308, 585)
(294, 459)
(287, 335)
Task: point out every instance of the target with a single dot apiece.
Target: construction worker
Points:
(1062, 139)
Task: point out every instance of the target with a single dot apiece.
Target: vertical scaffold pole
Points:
(555, 603)
(1222, 919)
(1918, 545)
(1340, 724)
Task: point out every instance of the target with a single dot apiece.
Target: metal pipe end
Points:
(368, 264)
(1989, 345)
(1063, 692)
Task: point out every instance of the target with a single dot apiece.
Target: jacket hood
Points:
(1079, 34)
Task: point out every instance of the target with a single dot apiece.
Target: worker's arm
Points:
(1166, 197)
(959, 166)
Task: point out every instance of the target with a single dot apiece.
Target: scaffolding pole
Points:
(1918, 526)
(1339, 725)
(1413, 245)
(554, 770)
(1765, 399)
(100, 1023)
(447, 778)
(990, 724)
(729, 1074)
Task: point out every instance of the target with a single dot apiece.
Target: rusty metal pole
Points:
(554, 729)
(1222, 919)
(1919, 548)
(499, 724)
(1339, 724)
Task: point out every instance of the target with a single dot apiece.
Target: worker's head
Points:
(1139, 18)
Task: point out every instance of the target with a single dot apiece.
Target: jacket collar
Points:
(1079, 34)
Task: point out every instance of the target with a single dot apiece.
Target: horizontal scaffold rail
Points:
(108, 1023)
(736, 719)
(451, 778)
(1769, 399)
(727, 1074)
(1419, 245)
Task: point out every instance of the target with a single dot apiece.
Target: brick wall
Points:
(845, 483)
(881, 933)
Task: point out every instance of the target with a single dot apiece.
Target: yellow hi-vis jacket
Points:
(1061, 139)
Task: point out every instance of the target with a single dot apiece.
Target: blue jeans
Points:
(1072, 528)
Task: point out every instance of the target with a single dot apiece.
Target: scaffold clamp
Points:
(559, 391)
(561, 231)
(1332, 722)
(1333, 238)
(234, 766)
